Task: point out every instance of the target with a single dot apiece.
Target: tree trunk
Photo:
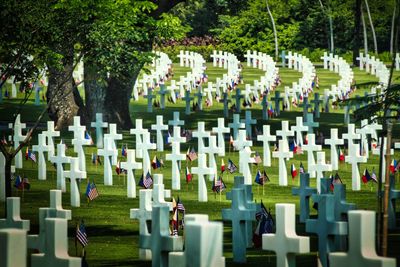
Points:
(392, 29)
(357, 20)
(364, 33)
(66, 102)
(110, 96)
(275, 34)
(95, 92)
(372, 27)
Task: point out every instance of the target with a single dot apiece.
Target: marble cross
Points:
(277, 99)
(285, 133)
(13, 219)
(41, 147)
(138, 131)
(364, 131)
(99, 124)
(75, 175)
(311, 147)
(304, 192)
(220, 130)
(361, 251)
(241, 142)
(325, 226)
(143, 214)
(60, 159)
(354, 159)
(266, 138)
(159, 241)
(310, 123)
(187, 99)
(248, 122)
(113, 135)
(150, 97)
(212, 150)
(12, 240)
(175, 157)
(159, 127)
(316, 101)
(159, 193)
(17, 138)
(298, 129)
(203, 244)
(238, 97)
(238, 214)
(334, 142)
(130, 166)
(226, 102)
(200, 134)
(351, 134)
(377, 151)
(201, 170)
(320, 167)
(110, 155)
(50, 133)
(56, 246)
(162, 94)
(235, 125)
(282, 154)
(146, 146)
(54, 211)
(199, 95)
(79, 141)
(285, 242)
(176, 121)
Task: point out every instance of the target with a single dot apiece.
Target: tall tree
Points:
(328, 12)
(372, 27)
(365, 35)
(357, 18)
(274, 29)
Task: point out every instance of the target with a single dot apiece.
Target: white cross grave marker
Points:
(107, 152)
(130, 166)
(220, 130)
(176, 121)
(361, 251)
(200, 134)
(146, 146)
(159, 127)
(320, 168)
(17, 138)
(201, 170)
(310, 148)
(354, 158)
(298, 129)
(138, 131)
(50, 133)
(99, 124)
(285, 242)
(282, 154)
(59, 160)
(79, 141)
(266, 138)
(334, 142)
(75, 174)
(41, 147)
(13, 219)
(175, 157)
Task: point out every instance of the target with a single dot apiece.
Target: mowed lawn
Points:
(113, 236)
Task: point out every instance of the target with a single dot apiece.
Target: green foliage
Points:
(170, 27)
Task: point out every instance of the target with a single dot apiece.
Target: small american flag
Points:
(81, 235)
(147, 181)
(91, 191)
(32, 156)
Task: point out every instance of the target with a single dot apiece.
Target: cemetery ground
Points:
(114, 237)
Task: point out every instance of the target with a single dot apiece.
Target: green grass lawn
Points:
(113, 236)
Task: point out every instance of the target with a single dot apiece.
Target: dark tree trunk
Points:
(67, 101)
(357, 41)
(109, 96)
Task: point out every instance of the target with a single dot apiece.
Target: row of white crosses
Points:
(376, 67)
(263, 62)
(304, 65)
(161, 65)
(228, 61)
(340, 66)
